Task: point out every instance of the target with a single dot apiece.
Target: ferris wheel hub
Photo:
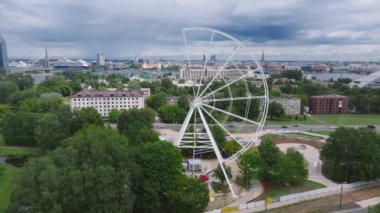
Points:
(196, 103)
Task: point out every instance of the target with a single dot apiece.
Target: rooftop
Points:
(108, 93)
(365, 80)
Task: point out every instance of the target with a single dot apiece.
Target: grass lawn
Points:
(274, 190)
(351, 119)
(15, 150)
(292, 121)
(6, 185)
(336, 119)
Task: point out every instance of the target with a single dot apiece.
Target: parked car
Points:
(371, 127)
(284, 126)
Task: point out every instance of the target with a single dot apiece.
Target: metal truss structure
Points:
(229, 92)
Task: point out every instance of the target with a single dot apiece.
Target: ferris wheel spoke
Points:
(221, 126)
(233, 99)
(224, 86)
(231, 114)
(188, 59)
(205, 63)
(221, 68)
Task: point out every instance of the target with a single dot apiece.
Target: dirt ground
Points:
(279, 139)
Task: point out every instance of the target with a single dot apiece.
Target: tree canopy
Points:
(172, 114)
(132, 121)
(352, 151)
(89, 173)
(275, 110)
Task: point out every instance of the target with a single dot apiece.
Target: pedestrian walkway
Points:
(369, 202)
(311, 154)
(254, 192)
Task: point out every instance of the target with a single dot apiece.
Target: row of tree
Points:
(99, 170)
(270, 164)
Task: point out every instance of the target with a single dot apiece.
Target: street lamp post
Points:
(341, 187)
(345, 177)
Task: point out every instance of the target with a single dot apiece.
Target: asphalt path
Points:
(252, 128)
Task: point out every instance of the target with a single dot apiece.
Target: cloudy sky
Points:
(286, 30)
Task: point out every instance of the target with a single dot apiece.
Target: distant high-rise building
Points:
(101, 60)
(262, 56)
(3, 54)
(213, 58)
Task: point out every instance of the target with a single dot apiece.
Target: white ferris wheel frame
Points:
(200, 104)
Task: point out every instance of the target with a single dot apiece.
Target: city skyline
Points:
(291, 30)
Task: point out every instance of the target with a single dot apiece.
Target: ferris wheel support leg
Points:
(184, 126)
(216, 150)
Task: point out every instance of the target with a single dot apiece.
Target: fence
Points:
(299, 197)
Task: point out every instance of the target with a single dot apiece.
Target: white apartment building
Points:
(104, 101)
(292, 106)
(208, 74)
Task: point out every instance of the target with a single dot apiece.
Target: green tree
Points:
(155, 101)
(90, 173)
(275, 110)
(269, 153)
(231, 147)
(159, 165)
(187, 195)
(23, 81)
(113, 115)
(6, 89)
(16, 98)
(374, 209)
(146, 135)
(86, 116)
(134, 85)
(166, 84)
(48, 132)
(18, 128)
(171, 114)
(292, 74)
(275, 92)
(4, 110)
(355, 152)
(218, 173)
(41, 105)
(132, 121)
(65, 117)
(290, 168)
(251, 167)
(183, 102)
(219, 136)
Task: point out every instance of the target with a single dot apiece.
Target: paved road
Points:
(251, 128)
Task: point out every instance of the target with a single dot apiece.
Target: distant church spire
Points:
(262, 56)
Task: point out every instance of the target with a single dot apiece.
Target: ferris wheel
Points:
(229, 92)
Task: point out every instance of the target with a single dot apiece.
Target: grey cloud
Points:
(140, 27)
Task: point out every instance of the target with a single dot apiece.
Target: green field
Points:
(344, 119)
(7, 176)
(274, 190)
(351, 119)
(292, 122)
